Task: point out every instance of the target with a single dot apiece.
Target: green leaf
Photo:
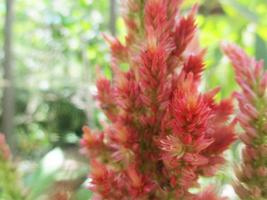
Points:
(241, 9)
(83, 193)
(260, 48)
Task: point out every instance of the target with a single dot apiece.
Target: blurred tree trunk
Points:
(87, 82)
(8, 94)
(112, 17)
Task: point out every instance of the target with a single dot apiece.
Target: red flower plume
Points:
(163, 133)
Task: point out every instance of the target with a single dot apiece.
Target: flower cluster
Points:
(163, 132)
(252, 116)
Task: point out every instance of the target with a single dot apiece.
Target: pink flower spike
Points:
(251, 77)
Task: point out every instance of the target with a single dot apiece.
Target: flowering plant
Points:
(163, 132)
(252, 78)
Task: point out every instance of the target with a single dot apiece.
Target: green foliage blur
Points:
(57, 46)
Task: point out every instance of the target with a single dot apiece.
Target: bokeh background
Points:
(49, 53)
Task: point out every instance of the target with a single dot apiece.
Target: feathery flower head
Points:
(163, 132)
(252, 99)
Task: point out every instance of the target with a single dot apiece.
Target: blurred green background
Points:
(48, 82)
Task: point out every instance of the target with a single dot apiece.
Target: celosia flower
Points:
(163, 132)
(252, 79)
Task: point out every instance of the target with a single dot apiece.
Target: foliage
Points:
(9, 181)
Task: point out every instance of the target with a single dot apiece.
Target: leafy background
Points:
(57, 46)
